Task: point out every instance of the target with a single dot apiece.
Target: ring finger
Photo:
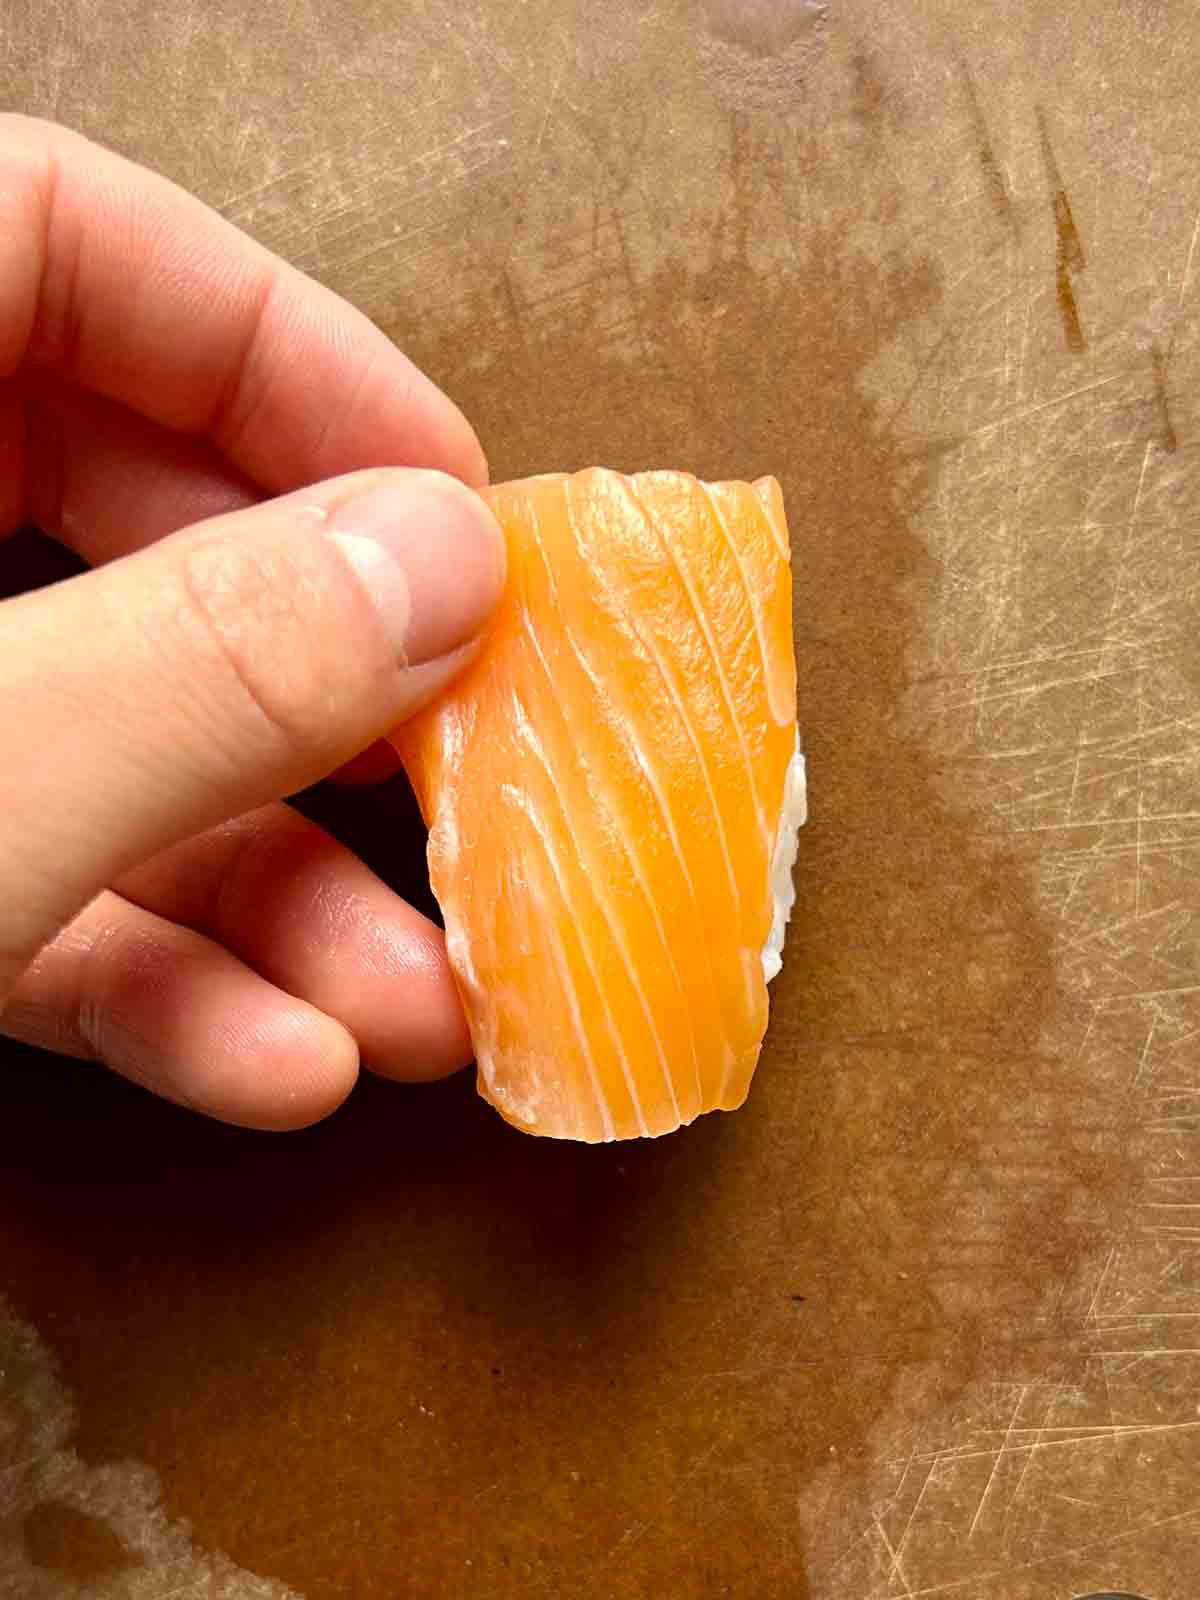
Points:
(175, 1012)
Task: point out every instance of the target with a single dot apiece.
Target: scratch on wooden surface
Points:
(1014, 1498)
(1145, 1056)
(1000, 1454)
(933, 1463)
(1184, 285)
(1042, 405)
(550, 100)
(237, 200)
(1056, 1555)
(896, 1573)
(1066, 1438)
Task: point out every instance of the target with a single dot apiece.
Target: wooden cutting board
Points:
(923, 1319)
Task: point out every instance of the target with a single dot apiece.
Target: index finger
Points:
(122, 282)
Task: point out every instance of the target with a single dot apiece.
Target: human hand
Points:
(162, 910)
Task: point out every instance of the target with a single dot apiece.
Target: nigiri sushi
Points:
(613, 790)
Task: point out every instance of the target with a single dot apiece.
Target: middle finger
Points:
(307, 914)
(105, 481)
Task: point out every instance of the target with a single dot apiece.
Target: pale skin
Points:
(288, 560)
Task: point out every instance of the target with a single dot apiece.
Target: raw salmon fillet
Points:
(612, 790)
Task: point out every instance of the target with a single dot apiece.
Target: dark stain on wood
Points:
(1168, 438)
(61, 1538)
(985, 154)
(874, 104)
(1068, 308)
(1069, 256)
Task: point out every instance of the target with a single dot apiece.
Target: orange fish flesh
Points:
(612, 791)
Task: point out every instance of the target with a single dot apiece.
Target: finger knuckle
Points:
(119, 962)
(263, 621)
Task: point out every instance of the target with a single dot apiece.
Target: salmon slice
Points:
(612, 792)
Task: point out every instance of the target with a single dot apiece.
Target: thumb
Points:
(221, 668)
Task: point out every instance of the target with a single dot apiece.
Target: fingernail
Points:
(430, 555)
